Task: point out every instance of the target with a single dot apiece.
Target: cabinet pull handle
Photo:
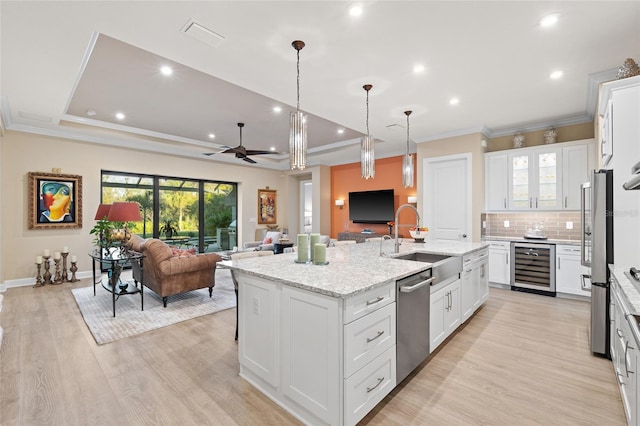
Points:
(505, 203)
(558, 262)
(380, 380)
(565, 202)
(373, 302)
(530, 202)
(506, 258)
(380, 333)
(536, 202)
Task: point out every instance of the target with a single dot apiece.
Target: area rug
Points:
(130, 320)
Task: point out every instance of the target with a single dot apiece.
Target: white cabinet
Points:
(625, 352)
(499, 262)
(474, 282)
(326, 359)
(569, 271)
(535, 179)
(577, 161)
(546, 177)
(496, 182)
(444, 314)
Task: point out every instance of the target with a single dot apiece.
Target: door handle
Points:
(410, 288)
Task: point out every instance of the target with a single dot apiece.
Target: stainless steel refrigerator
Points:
(597, 253)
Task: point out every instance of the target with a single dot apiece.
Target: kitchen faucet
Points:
(397, 246)
(384, 237)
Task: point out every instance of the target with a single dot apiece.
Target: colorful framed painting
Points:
(55, 201)
(267, 207)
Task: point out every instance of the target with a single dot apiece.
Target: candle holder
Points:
(73, 270)
(47, 274)
(57, 279)
(39, 281)
(65, 274)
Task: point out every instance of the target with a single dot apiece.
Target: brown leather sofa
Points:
(167, 274)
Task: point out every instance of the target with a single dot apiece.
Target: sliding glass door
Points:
(183, 212)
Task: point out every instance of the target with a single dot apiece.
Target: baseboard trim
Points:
(25, 282)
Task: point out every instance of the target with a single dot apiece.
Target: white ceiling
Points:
(59, 59)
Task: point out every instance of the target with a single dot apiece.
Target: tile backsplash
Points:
(554, 223)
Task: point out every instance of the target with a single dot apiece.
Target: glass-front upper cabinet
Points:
(535, 179)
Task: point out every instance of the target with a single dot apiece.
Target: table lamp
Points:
(124, 212)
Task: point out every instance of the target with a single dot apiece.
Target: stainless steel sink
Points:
(423, 257)
(444, 266)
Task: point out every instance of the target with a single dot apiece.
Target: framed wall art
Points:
(267, 213)
(55, 201)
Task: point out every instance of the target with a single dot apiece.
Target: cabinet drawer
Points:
(362, 304)
(568, 250)
(365, 389)
(368, 337)
(500, 244)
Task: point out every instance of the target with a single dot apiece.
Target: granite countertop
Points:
(630, 289)
(352, 268)
(534, 240)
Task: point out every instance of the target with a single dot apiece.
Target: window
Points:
(183, 212)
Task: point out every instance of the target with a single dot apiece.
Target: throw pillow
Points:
(176, 252)
(267, 240)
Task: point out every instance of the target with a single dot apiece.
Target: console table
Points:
(359, 237)
(113, 262)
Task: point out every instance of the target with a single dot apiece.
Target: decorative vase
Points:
(550, 135)
(518, 140)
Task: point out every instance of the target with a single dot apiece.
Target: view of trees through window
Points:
(183, 212)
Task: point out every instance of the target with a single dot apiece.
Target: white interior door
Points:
(447, 197)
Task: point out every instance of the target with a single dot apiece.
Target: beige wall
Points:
(564, 134)
(320, 177)
(22, 153)
(458, 145)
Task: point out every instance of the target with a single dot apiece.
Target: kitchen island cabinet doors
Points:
(474, 282)
(444, 314)
(326, 360)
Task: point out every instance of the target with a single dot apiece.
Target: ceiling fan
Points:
(240, 151)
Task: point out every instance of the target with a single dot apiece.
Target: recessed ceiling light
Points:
(355, 10)
(556, 75)
(166, 70)
(91, 113)
(341, 131)
(277, 109)
(273, 148)
(120, 116)
(549, 20)
(418, 68)
(212, 136)
(454, 101)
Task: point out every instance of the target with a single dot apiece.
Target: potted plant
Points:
(103, 231)
(168, 229)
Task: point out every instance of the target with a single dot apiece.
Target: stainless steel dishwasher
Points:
(412, 322)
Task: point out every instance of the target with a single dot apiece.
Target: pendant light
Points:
(407, 161)
(298, 124)
(367, 154)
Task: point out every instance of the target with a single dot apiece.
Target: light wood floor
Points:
(522, 359)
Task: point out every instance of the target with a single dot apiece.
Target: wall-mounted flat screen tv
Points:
(371, 206)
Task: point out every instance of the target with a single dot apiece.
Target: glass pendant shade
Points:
(367, 157)
(407, 161)
(298, 141)
(298, 124)
(407, 171)
(367, 153)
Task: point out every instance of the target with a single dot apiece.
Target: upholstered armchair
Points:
(270, 238)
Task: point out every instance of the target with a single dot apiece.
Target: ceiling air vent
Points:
(198, 31)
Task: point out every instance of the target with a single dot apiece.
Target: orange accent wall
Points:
(346, 178)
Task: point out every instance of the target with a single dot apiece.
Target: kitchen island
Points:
(320, 340)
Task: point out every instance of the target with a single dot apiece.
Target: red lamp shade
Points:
(103, 211)
(124, 212)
